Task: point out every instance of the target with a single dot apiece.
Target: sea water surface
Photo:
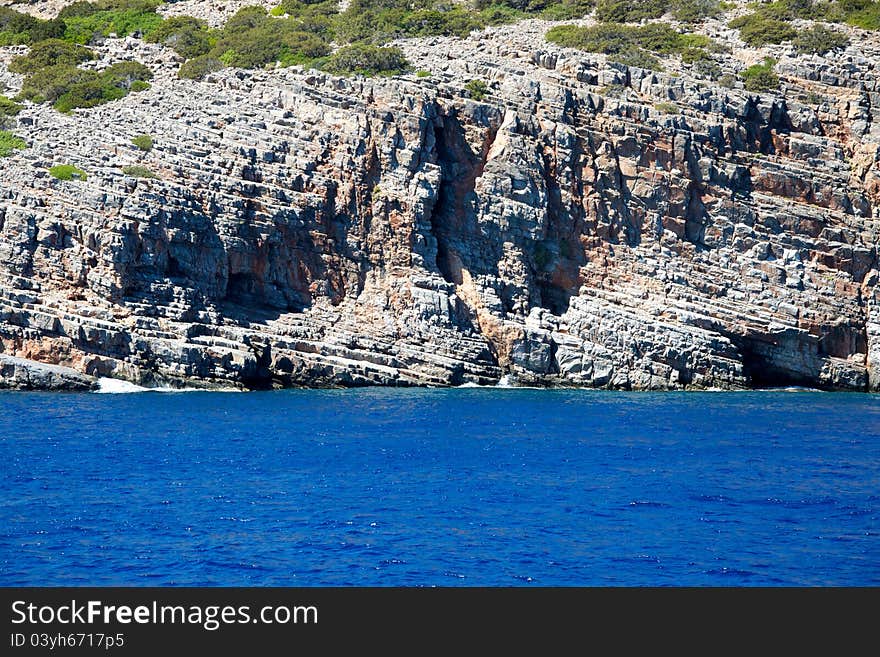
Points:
(440, 487)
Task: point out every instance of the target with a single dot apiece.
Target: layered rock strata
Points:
(567, 229)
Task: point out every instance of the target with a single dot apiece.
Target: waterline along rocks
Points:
(582, 223)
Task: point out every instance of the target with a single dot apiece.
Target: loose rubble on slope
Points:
(567, 229)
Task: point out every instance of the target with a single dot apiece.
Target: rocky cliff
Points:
(584, 224)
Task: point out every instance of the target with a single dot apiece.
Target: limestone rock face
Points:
(306, 229)
(21, 374)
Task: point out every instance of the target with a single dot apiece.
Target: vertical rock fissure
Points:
(441, 208)
(453, 217)
(556, 271)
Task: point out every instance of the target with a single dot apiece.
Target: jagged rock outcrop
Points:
(21, 374)
(307, 229)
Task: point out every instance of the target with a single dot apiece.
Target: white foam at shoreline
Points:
(118, 386)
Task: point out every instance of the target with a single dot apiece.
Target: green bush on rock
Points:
(693, 11)
(67, 172)
(477, 89)
(667, 108)
(10, 143)
(50, 52)
(198, 67)
(757, 30)
(143, 142)
(633, 45)
(185, 35)
(770, 23)
(629, 11)
(819, 40)
(68, 87)
(760, 77)
(366, 60)
(137, 171)
(17, 28)
(87, 24)
(48, 84)
(8, 108)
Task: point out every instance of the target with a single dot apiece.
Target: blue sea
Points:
(431, 487)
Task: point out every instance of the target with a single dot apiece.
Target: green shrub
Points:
(17, 28)
(246, 18)
(693, 11)
(694, 55)
(727, 81)
(636, 57)
(67, 172)
(50, 83)
(379, 21)
(10, 143)
(633, 45)
(757, 30)
(708, 68)
(867, 17)
(133, 20)
(422, 73)
(477, 89)
(187, 36)
(124, 74)
(667, 108)
(143, 142)
(819, 40)
(861, 13)
(79, 9)
(198, 67)
(137, 171)
(612, 90)
(383, 20)
(251, 39)
(455, 21)
(139, 85)
(499, 14)
(88, 93)
(366, 60)
(770, 23)
(50, 52)
(565, 10)
(68, 87)
(788, 10)
(760, 77)
(629, 11)
(8, 108)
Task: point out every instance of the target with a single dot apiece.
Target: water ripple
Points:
(440, 487)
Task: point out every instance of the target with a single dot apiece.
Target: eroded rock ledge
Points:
(308, 230)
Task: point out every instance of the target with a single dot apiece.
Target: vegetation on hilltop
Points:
(86, 22)
(315, 33)
(366, 60)
(633, 11)
(819, 40)
(635, 46)
(770, 23)
(67, 87)
(302, 32)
